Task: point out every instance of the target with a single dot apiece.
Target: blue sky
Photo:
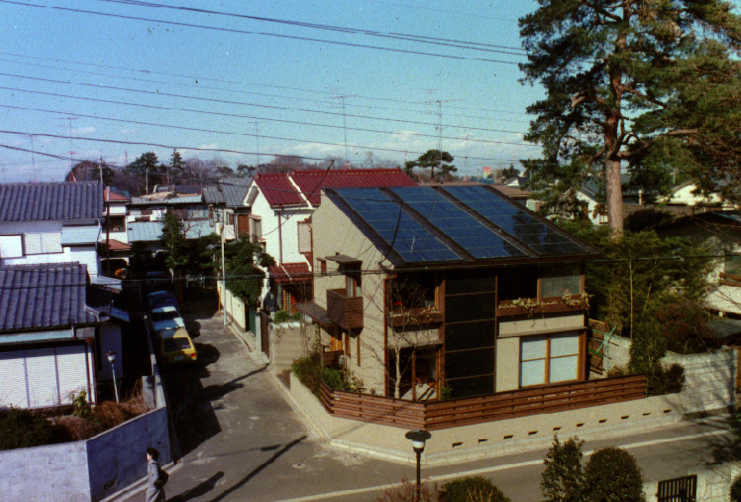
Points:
(115, 79)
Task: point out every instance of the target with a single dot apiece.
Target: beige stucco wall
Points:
(508, 350)
(334, 233)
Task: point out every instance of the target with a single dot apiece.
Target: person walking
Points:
(155, 487)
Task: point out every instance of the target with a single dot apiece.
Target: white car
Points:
(167, 317)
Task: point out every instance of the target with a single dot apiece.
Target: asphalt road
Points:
(241, 441)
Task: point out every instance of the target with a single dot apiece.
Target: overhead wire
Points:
(242, 91)
(241, 103)
(276, 35)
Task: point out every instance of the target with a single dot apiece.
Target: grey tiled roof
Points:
(50, 201)
(34, 297)
(84, 234)
(151, 231)
(231, 195)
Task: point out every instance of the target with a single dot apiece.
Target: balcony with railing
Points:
(346, 312)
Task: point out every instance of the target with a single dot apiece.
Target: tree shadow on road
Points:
(194, 406)
(198, 490)
(258, 469)
(215, 392)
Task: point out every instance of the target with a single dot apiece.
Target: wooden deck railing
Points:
(436, 415)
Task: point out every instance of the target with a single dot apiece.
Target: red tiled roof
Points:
(278, 190)
(114, 196)
(116, 245)
(291, 272)
(311, 182)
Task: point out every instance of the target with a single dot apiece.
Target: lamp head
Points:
(111, 356)
(418, 439)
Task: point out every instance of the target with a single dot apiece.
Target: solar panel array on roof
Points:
(411, 240)
(457, 224)
(515, 221)
(478, 221)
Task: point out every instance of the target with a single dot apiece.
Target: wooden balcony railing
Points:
(436, 415)
(343, 311)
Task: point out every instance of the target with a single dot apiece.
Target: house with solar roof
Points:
(281, 221)
(451, 290)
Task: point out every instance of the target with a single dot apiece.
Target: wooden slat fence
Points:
(436, 415)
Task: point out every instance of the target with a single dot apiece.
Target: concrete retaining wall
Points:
(713, 483)
(235, 308)
(492, 438)
(709, 377)
(92, 469)
(54, 472)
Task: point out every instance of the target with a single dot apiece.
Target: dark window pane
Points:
(475, 386)
(470, 307)
(518, 282)
(469, 363)
(560, 280)
(469, 281)
(469, 335)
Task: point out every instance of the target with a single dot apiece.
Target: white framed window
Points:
(549, 358)
(255, 229)
(43, 243)
(11, 246)
(304, 237)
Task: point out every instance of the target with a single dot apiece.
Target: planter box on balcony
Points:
(416, 317)
(546, 306)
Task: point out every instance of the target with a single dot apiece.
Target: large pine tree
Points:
(647, 84)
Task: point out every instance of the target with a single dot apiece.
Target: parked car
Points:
(175, 346)
(161, 298)
(168, 317)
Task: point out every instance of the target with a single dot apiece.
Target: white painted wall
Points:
(280, 229)
(87, 254)
(40, 378)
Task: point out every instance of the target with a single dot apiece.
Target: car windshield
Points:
(164, 316)
(175, 344)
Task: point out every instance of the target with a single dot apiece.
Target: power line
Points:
(290, 88)
(234, 30)
(230, 102)
(518, 51)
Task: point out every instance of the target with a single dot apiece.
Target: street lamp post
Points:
(112, 359)
(418, 439)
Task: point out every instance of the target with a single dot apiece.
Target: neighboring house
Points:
(47, 335)
(227, 201)
(280, 220)
(114, 241)
(721, 232)
(153, 207)
(687, 194)
(51, 223)
(461, 286)
(150, 232)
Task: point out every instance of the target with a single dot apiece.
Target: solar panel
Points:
(515, 221)
(456, 223)
(411, 240)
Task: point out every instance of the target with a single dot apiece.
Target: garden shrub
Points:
(562, 479)
(613, 475)
(471, 489)
(407, 492)
(665, 380)
(23, 428)
(311, 372)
